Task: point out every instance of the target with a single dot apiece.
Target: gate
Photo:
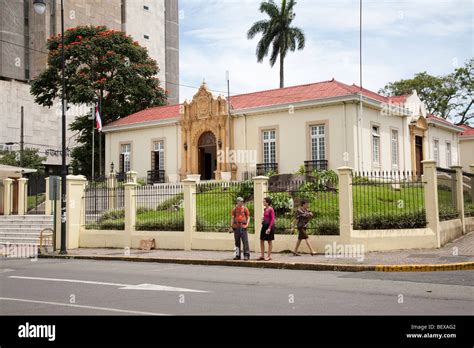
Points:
(36, 194)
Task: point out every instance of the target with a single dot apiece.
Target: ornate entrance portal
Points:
(207, 156)
(204, 131)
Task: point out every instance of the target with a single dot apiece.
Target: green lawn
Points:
(33, 201)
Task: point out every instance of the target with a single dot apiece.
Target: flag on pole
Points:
(98, 120)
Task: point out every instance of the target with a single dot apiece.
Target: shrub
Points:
(447, 213)
(281, 202)
(301, 170)
(244, 190)
(112, 225)
(166, 225)
(143, 210)
(326, 228)
(175, 201)
(388, 222)
(116, 214)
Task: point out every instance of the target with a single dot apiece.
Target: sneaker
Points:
(246, 257)
(237, 258)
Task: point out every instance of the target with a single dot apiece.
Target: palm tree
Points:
(277, 32)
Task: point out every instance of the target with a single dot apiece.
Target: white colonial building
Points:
(322, 125)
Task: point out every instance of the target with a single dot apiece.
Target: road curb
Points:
(278, 265)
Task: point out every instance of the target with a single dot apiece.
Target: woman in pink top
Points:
(268, 229)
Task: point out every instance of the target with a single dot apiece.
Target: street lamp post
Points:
(40, 7)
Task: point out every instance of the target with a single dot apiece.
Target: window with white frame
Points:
(126, 151)
(449, 162)
(318, 143)
(436, 151)
(269, 146)
(159, 146)
(395, 154)
(376, 144)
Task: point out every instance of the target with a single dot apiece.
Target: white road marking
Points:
(80, 306)
(121, 286)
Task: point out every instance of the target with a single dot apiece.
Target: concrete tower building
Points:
(23, 34)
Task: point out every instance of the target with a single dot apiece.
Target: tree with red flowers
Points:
(101, 64)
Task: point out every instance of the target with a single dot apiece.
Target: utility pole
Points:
(22, 137)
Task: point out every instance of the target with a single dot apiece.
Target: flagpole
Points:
(93, 141)
(100, 135)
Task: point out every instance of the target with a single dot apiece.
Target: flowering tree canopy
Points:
(100, 64)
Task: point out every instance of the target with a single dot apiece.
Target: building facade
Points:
(23, 35)
(466, 145)
(323, 125)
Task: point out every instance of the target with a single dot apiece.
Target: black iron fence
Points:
(104, 207)
(468, 190)
(321, 193)
(215, 201)
(388, 200)
(36, 198)
(159, 208)
(447, 208)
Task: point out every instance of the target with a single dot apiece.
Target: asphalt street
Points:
(83, 287)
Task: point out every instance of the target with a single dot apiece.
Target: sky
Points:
(400, 39)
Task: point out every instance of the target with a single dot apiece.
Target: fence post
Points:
(111, 189)
(47, 202)
(131, 177)
(431, 198)
(75, 210)
(189, 192)
(345, 204)
(471, 167)
(130, 213)
(460, 195)
(7, 196)
(260, 190)
(22, 196)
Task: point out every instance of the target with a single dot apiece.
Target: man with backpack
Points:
(240, 221)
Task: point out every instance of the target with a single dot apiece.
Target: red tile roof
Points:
(148, 115)
(400, 99)
(313, 91)
(439, 119)
(468, 131)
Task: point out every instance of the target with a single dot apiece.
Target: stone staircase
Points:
(15, 229)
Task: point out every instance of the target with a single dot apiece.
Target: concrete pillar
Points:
(111, 186)
(260, 191)
(7, 196)
(431, 198)
(460, 195)
(471, 167)
(130, 213)
(75, 210)
(22, 196)
(47, 200)
(189, 192)
(346, 217)
(131, 177)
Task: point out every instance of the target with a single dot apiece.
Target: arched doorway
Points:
(207, 156)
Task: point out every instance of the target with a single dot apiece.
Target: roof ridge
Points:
(284, 88)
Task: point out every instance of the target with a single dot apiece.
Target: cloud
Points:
(400, 38)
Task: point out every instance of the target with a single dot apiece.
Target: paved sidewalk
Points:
(458, 254)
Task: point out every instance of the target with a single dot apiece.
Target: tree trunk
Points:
(282, 71)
